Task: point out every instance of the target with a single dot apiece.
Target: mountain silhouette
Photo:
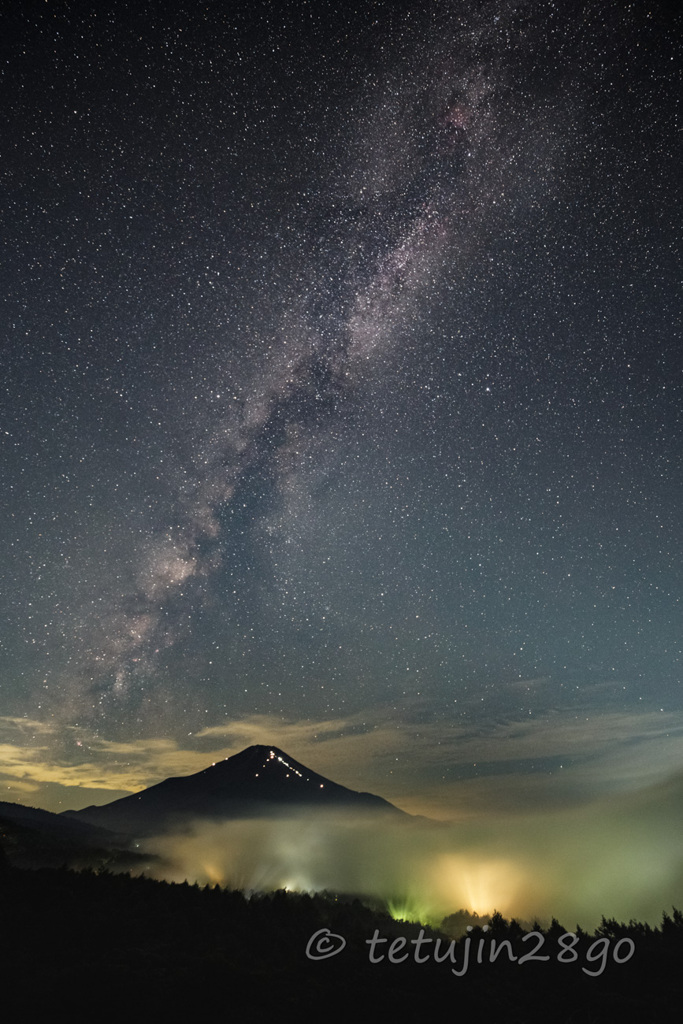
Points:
(258, 782)
(48, 823)
(34, 838)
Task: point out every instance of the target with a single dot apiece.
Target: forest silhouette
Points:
(132, 943)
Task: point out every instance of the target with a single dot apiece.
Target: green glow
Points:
(408, 908)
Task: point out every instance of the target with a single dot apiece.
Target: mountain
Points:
(258, 782)
(33, 838)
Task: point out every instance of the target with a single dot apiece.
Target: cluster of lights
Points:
(282, 761)
(272, 756)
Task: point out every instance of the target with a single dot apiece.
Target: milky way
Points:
(340, 371)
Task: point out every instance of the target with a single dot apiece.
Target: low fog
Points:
(618, 858)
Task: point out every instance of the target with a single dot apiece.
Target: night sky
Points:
(341, 398)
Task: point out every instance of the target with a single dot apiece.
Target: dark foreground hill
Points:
(34, 838)
(259, 781)
(131, 946)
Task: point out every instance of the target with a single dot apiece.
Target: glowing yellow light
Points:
(477, 885)
(213, 873)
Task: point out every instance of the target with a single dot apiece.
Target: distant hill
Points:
(34, 838)
(257, 782)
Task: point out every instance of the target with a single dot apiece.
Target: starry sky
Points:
(341, 397)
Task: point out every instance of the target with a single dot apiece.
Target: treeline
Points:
(117, 944)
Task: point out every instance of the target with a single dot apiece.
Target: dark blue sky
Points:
(341, 381)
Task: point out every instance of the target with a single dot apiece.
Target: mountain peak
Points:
(261, 761)
(259, 781)
(256, 751)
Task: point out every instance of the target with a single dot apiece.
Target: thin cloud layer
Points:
(448, 773)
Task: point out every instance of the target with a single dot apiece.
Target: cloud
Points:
(618, 857)
(562, 756)
(448, 771)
